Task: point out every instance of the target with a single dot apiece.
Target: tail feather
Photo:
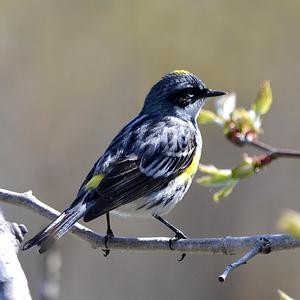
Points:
(56, 229)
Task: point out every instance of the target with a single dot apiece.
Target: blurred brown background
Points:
(73, 72)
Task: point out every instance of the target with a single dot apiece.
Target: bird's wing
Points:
(151, 167)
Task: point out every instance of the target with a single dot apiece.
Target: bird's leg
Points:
(178, 234)
(109, 235)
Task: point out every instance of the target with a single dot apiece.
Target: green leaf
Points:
(225, 105)
(284, 296)
(215, 180)
(224, 192)
(212, 170)
(263, 100)
(217, 177)
(245, 169)
(208, 117)
(290, 223)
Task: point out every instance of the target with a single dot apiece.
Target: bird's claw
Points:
(183, 255)
(109, 235)
(105, 252)
(178, 236)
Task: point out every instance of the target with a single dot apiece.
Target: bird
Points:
(148, 167)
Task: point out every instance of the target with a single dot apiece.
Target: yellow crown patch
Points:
(181, 72)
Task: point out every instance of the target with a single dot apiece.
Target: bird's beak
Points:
(212, 93)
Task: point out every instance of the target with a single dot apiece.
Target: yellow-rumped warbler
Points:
(149, 165)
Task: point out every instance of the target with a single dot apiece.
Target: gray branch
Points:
(262, 246)
(223, 245)
(13, 283)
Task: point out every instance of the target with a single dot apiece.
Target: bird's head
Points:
(179, 91)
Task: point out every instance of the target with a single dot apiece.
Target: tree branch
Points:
(276, 153)
(13, 283)
(223, 245)
(262, 246)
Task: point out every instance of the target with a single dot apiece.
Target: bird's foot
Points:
(178, 236)
(107, 238)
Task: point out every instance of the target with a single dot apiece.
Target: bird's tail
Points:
(57, 228)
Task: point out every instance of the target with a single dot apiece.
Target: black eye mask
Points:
(186, 96)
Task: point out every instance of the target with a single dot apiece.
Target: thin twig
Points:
(263, 246)
(260, 145)
(276, 153)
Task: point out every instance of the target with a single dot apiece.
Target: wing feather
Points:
(149, 169)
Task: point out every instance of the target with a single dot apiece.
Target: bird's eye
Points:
(184, 96)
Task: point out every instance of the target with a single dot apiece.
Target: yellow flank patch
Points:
(191, 169)
(94, 182)
(181, 72)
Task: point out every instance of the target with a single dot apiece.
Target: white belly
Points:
(165, 199)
